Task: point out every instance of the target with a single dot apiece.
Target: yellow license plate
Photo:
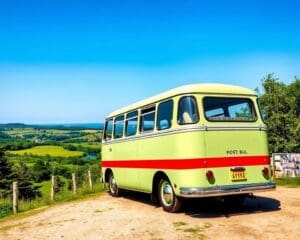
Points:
(238, 175)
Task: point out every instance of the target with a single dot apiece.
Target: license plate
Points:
(238, 175)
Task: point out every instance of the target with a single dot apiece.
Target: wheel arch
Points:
(108, 171)
(155, 181)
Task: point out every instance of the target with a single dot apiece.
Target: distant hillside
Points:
(13, 125)
(67, 126)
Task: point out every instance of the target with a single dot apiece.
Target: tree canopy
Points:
(281, 105)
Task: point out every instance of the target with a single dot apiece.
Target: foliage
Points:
(280, 113)
(41, 171)
(294, 90)
(89, 149)
(59, 184)
(4, 135)
(27, 189)
(44, 152)
(62, 171)
(20, 173)
(18, 144)
(6, 174)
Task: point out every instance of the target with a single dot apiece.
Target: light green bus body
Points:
(202, 140)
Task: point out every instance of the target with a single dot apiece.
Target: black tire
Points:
(167, 198)
(112, 186)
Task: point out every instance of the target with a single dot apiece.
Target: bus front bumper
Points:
(226, 190)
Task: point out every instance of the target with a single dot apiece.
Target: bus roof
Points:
(186, 89)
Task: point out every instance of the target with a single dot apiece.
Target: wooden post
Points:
(74, 183)
(53, 184)
(90, 180)
(15, 197)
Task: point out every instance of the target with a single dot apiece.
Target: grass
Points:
(63, 196)
(48, 150)
(18, 132)
(288, 181)
(179, 224)
(88, 145)
(195, 232)
(5, 207)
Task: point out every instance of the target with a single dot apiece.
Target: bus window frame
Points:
(114, 126)
(142, 115)
(105, 129)
(196, 107)
(128, 119)
(262, 114)
(157, 114)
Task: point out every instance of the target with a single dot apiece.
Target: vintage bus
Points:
(200, 140)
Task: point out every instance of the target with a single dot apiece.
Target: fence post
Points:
(15, 197)
(53, 183)
(74, 183)
(90, 180)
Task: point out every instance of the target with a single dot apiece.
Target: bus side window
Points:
(119, 126)
(108, 129)
(164, 115)
(147, 119)
(131, 123)
(187, 110)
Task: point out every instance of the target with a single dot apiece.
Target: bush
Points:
(62, 171)
(41, 171)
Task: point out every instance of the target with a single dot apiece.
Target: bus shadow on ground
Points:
(213, 207)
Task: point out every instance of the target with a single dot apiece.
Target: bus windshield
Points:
(226, 109)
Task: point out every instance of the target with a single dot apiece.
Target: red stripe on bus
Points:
(189, 163)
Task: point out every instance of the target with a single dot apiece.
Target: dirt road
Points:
(272, 215)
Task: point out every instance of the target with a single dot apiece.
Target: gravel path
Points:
(271, 215)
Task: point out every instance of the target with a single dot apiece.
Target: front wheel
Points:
(112, 186)
(167, 198)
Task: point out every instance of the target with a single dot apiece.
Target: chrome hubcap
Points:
(167, 193)
(112, 185)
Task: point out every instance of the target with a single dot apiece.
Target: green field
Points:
(54, 151)
(88, 145)
(288, 181)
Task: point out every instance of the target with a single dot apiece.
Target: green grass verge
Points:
(288, 181)
(63, 196)
(55, 151)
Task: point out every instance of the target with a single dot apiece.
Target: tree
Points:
(27, 189)
(294, 90)
(280, 111)
(41, 170)
(6, 174)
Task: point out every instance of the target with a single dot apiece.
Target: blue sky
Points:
(76, 61)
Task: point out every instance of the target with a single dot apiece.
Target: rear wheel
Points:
(113, 187)
(167, 198)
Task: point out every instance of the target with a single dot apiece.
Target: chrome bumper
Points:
(226, 190)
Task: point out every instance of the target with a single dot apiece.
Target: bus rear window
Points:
(221, 109)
